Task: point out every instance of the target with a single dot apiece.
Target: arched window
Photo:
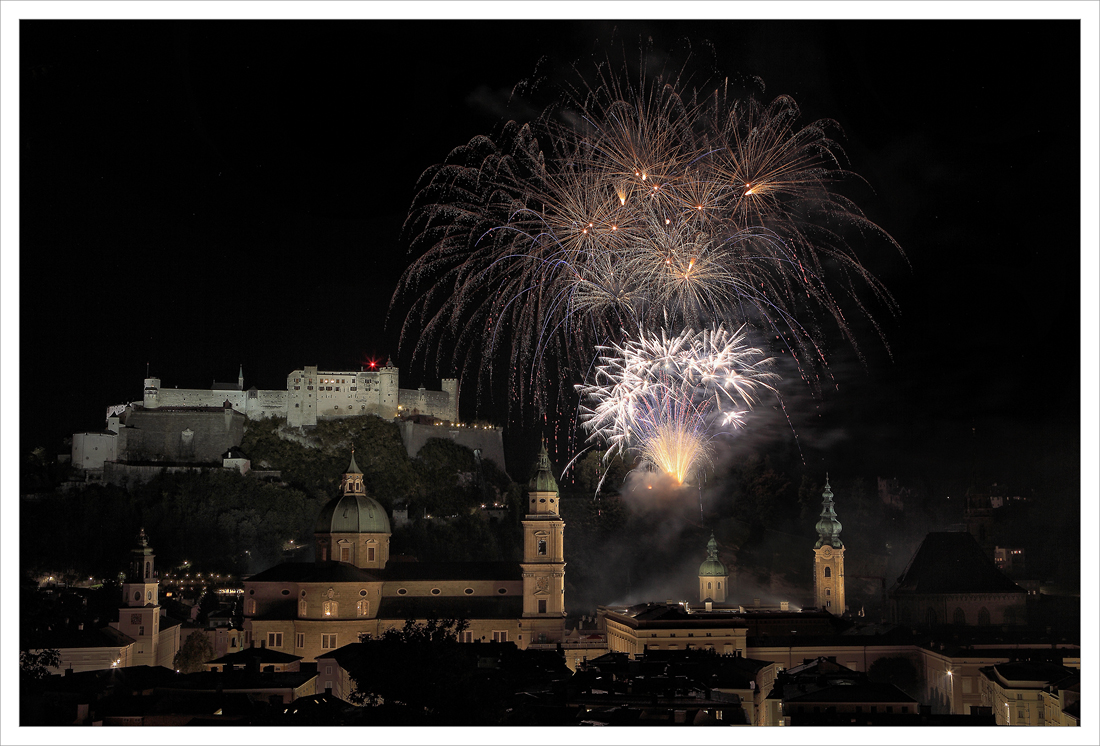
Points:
(303, 607)
(960, 617)
(828, 572)
(708, 585)
(983, 617)
(329, 608)
(362, 608)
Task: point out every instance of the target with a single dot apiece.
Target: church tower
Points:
(829, 559)
(543, 557)
(139, 616)
(713, 578)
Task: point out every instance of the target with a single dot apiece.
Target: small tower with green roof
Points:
(543, 557)
(829, 558)
(713, 578)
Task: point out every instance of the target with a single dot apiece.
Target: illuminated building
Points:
(353, 590)
(829, 559)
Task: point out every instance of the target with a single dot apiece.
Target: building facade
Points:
(353, 590)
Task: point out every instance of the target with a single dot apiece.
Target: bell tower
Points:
(543, 563)
(139, 617)
(713, 578)
(829, 559)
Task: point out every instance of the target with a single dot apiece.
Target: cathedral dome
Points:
(352, 514)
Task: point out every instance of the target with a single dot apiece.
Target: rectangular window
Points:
(466, 636)
(300, 640)
(542, 605)
(500, 635)
(328, 642)
(345, 554)
(274, 639)
(370, 554)
(141, 631)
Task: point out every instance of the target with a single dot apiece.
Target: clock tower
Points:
(543, 558)
(139, 617)
(829, 559)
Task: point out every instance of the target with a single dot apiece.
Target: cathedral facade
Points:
(353, 589)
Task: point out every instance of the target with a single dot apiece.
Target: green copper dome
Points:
(352, 514)
(712, 566)
(828, 527)
(543, 478)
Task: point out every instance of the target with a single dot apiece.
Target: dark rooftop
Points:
(452, 571)
(450, 607)
(314, 572)
(952, 562)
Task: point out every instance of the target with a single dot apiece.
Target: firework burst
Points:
(630, 206)
(663, 397)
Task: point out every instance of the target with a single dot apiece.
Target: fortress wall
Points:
(489, 441)
(434, 403)
(90, 450)
(266, 404)
(195, 398)
(162, 435)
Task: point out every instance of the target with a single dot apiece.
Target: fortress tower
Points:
(829, 559)
(543, 566)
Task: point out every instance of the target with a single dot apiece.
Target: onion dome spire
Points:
(712, 566)
(543, 478)
(828, 527)
(352, 468)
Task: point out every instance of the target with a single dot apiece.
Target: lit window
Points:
(362, 608)
(329, 608)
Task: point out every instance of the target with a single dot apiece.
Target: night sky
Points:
(209, 194)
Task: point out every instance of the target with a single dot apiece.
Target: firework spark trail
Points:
(630, 206)
(663, 397)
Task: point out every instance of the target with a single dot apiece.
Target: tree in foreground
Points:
(193, 653)
(420, 674)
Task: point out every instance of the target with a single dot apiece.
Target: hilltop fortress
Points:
(184, 429)
(313, 395)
